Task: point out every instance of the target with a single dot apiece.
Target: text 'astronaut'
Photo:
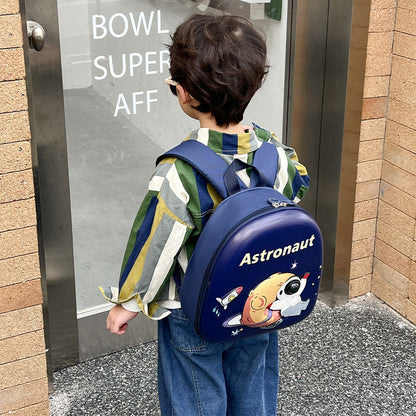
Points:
(266, 255)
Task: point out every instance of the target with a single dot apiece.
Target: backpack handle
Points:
(234, 184)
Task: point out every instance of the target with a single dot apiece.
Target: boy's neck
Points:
(209, 122)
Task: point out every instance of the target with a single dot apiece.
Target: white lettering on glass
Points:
(119, 24)
(149, 99)
(141, 21)
(124, 22)
(100, 67)
(149, 62)
(118, 65)
(98, 22)
(136, 101)
(121, 105)
(159, 23)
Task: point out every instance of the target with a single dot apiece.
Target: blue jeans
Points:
(197, 378)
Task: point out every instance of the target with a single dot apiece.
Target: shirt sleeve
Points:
(292, 177)
(160, 229)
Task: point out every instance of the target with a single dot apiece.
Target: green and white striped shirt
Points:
(174, 211)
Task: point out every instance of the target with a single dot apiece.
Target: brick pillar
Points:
(384, 246)
(23, 374)
(374, 113)
(394, 279)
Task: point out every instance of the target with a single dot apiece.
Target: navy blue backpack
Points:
(257, 264)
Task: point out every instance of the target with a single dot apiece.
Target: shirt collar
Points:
(227, 143)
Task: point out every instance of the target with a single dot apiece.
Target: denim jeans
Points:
(197, 378)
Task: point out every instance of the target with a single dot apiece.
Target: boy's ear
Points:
(183, 95)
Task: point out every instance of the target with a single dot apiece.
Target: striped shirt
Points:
(174, 211)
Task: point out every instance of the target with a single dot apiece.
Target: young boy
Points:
(217, 64)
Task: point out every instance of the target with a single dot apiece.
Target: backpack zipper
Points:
(275, 203)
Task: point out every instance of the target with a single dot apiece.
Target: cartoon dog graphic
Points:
(270, 301)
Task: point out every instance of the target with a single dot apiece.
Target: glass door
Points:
(119, 117)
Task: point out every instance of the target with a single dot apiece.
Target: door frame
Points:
(50, 169)
(329, 41)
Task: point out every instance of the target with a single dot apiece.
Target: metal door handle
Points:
(36, 35)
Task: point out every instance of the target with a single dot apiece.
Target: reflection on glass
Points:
(120, 116)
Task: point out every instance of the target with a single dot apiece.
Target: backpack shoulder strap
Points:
(213, 168)
(204, 160)
(266, 160)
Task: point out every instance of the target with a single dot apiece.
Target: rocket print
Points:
(229, 297)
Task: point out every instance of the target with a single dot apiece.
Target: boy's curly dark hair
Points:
(221, 61)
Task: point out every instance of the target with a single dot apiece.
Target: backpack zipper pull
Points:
(275, 203)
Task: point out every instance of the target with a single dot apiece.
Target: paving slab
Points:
(357, 359)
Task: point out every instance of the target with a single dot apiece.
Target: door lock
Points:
(36, 35)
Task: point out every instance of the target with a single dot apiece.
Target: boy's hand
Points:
(117, 319)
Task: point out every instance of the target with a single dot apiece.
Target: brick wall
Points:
(23, 375)
(394, 277)
(387, 160)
